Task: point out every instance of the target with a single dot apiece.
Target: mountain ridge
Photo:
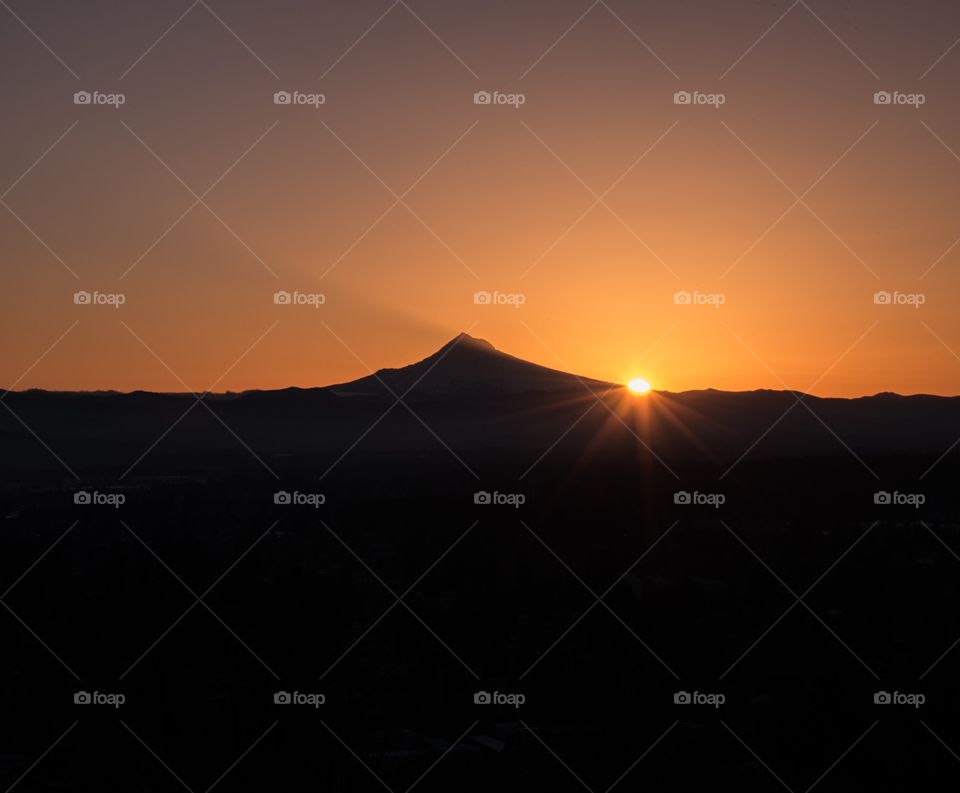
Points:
(467, 351)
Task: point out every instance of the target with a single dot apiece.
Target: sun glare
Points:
(638, 385)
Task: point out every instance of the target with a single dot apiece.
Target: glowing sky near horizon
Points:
(744, 250)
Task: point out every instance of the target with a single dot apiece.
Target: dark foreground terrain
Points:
(475, 573)
(784, 611)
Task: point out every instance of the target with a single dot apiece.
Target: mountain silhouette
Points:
(469, 397)
(468, 365)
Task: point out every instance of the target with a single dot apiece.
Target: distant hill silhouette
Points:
(470, 397)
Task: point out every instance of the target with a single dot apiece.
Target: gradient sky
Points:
(500, 195)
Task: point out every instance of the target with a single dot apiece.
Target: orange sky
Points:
(504, 210)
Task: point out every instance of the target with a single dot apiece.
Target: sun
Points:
(638, 386)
